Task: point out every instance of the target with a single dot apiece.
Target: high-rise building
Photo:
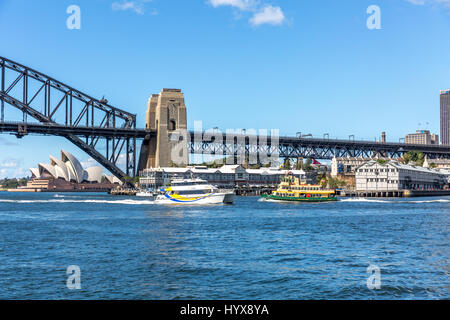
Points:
(422, 137)
(445, 117)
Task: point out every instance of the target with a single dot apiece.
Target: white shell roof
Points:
(94, 174)
(35, 172)
(69, 169)
(73, 164)
(61, 165)
(48, 168)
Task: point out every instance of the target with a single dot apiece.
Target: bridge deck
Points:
(290, 146)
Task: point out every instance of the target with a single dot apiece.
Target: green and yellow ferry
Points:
(290, 189)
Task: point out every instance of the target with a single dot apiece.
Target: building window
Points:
(172, 125)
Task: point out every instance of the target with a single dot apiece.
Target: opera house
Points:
(67, 174)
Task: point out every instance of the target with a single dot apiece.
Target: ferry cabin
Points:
(291, 187)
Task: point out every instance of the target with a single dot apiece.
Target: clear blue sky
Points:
(310, 66)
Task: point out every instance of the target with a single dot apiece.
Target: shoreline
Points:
(392, 194)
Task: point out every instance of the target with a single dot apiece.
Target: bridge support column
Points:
(166, 114)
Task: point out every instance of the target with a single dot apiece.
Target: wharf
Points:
(253, 191)
(392, 193)
(123, 192)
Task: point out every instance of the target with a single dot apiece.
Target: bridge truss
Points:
(294, 148)
(82, 120)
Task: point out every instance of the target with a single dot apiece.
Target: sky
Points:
(308, 66)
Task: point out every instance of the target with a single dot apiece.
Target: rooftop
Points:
(398, 165)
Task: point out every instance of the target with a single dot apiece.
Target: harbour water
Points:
(130, 248)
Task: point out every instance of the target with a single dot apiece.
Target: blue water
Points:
(129, 248)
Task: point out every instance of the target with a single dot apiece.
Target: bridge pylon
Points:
(166, 114)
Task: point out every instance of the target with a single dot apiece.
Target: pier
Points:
(393, 193)
(123, 192)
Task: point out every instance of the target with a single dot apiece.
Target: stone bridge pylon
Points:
(166, 116)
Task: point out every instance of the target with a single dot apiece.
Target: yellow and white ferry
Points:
(193, 191)
(290, 189)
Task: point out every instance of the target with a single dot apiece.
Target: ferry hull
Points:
(294, 199)
(216, 198)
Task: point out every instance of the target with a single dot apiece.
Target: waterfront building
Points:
(445, 117)
(346, 166)
(393, 176)
(436, 163)
(422, 137)
(224, 177)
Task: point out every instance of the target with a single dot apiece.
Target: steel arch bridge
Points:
(60, 110)
(84, 120)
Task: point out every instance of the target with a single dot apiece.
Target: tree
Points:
(433, 165)
(299, 164)
(307, 166)
(381, 161)
(173, 164)
(336, 183)
(287, 164)
(415, 157)
(10, 183)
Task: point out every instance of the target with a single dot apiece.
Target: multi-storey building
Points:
(422, 137)
(445, 117)
(437, 163)
(347, 165)
(393, 176)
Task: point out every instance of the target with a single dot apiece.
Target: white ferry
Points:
(193, 191)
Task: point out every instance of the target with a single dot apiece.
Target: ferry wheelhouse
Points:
(290, 189)
(193, 191)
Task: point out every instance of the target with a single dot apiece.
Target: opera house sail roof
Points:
(67, 168)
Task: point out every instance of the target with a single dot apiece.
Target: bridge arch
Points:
(64, 111)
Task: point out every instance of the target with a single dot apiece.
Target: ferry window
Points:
(190, 192)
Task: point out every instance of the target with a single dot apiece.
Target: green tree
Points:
(336, 183)
(287, 164)
(307, 166)
(299, 164)
(415, 157)
(10, 183)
